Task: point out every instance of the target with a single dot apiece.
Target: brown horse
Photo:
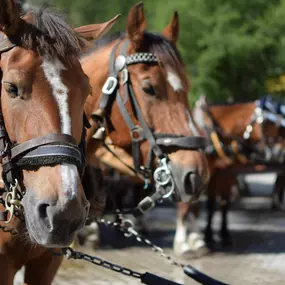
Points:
(155, 101)
(245, 123)
(145, 90)
(43, 92)
(223, 168)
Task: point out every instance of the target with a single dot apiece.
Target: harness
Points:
(240, 149)
(48, 150)
(234, 149)
(160, 144)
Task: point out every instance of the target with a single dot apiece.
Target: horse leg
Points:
(42, 270)
(140, 223)
(181, 245)
(195, 238)
(225, 188)
(224, 232)
(278, 192)
(211, 207)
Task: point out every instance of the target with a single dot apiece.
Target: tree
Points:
(230, 47)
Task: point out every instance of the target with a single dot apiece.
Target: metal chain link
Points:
(18, 214)
(141, 239)
(70, 253)
(126, 226)
(12, 231)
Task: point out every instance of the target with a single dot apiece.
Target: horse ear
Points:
(136, 24)
(95, 31)
(9, 17)
(171, 31)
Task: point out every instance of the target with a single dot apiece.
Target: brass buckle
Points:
(11, 201)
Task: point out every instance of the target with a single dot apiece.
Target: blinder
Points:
(160, 144)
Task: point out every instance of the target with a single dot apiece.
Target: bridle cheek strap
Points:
(160, 144)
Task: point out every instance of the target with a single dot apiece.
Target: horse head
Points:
(43, 92)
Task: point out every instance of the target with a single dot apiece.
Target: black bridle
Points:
(48, 150)
(160, 144)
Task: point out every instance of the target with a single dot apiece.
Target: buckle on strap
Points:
(110, 85)
(137, 134)
(163, 179)
(146, 205)
(124, 76)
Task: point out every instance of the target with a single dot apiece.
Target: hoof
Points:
(227, 242)
(209, 239)
(181, 248)
(184, 251)
(226, 239)
(195, 247)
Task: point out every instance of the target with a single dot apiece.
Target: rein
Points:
(160, 144)
(48, 150)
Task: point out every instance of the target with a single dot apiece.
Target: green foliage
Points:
(230, 47)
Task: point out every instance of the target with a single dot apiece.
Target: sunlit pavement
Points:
(257, 257)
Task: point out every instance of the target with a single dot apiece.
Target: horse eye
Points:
(148, 88)
(11, 88)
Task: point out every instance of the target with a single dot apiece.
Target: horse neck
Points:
(233, 119)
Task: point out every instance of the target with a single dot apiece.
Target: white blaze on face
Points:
(52, 70)
(174, 80)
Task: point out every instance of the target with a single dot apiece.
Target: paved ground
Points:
(258, 255)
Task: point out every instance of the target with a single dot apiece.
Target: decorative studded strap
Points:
(141, 57)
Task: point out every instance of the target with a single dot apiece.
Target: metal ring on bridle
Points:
(126, 225)
(159, 173)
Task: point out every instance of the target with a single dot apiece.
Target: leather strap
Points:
(183, 142)
(29, 145)
(142, 132)
(5, 43)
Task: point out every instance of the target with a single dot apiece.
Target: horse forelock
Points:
(47, 33)
(170, 60)
(169, 57)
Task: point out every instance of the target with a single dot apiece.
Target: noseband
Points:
(160, 144)
(48, 150)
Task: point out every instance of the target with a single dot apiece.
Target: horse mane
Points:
(49, 35)
(157, 44)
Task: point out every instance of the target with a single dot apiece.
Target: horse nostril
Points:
(188, 183)
(87, 207)
(43, 210)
